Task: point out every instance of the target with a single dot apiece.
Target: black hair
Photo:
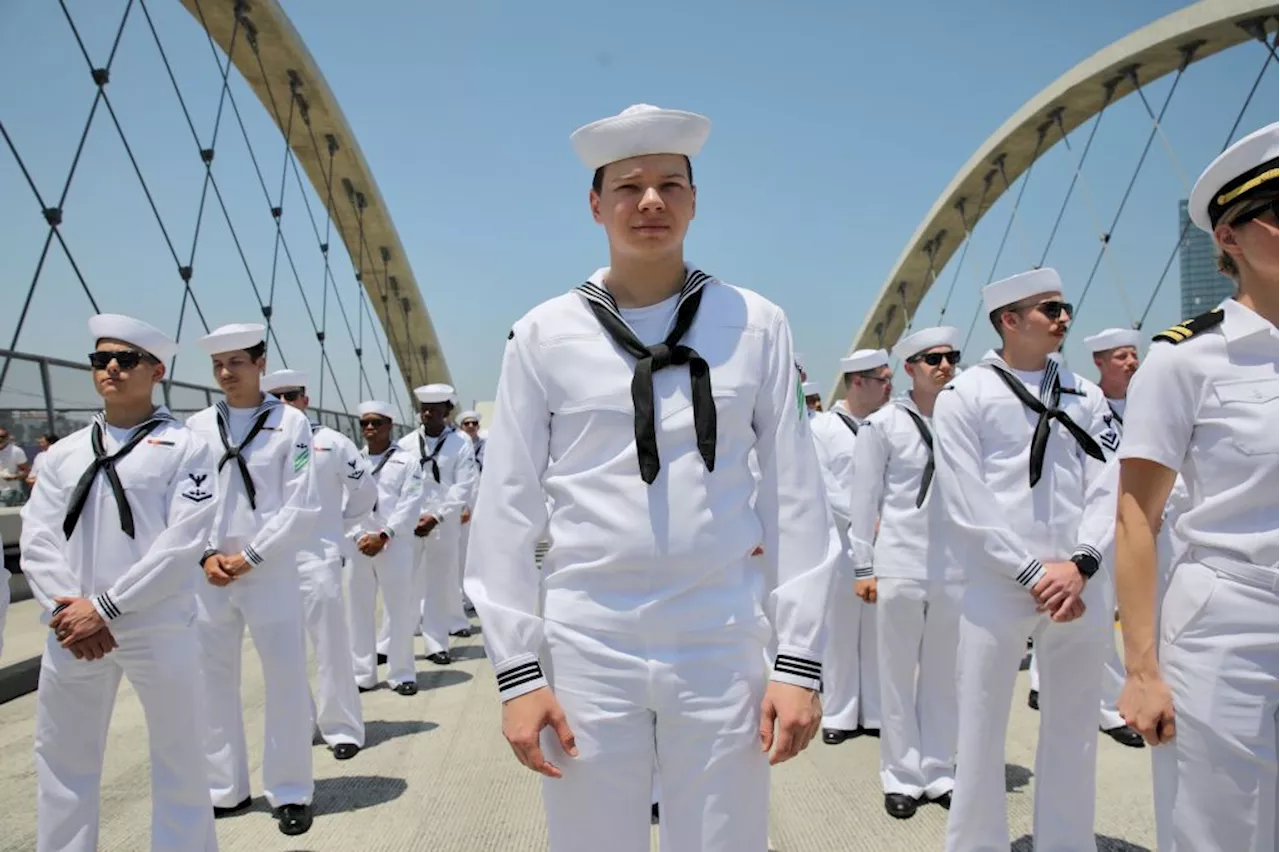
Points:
(597, 180)
(256, 351)
(50, 437)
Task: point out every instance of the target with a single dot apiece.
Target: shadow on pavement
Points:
(356, 792)
(438, 678)
(1016, 777)
(1105, 844)
(378, 731)
(468, 652)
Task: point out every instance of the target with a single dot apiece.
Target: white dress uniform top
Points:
(449, 474)
(134, 553)
(918, 591)
(851, 679)
(347, 494)
(399, 479)
(477, 451)
(1006, 510)
(268, 509)
(1205, 405)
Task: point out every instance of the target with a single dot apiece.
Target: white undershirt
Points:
(239, 421)
(652, 322)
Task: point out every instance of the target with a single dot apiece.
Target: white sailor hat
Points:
(234, 336)
(812, 389)
(638, 130)
(1015, 288)
(434, 393)
(1113, 338)
(926, 338)
(284, 379)
(864, 359)
(468, 415)
(1248, 169)
(382, 409)
(130, 330)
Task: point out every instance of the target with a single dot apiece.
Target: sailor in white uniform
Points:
(633, 401)
(449, 475)
(386, 556)
(1205, 406)
(110, 536)
(812, 397)
(469, 424)
(267, 511)
(851, 680)
(347, 495)
(1024, 470)
(916, 591)
(4, 597)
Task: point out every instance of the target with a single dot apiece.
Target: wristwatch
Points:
(382, 534)
(1087, 564)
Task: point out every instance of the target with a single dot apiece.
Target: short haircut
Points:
(50, 437)
(257, 350)
(597, 180)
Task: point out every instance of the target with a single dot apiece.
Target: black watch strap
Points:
(1087, 564)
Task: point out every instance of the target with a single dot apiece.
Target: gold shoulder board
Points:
(1187, 329)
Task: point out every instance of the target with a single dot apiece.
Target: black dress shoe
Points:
(228, 810)
(868, 732)
(653, 814)
(1126, 736)
(293, 819)
(345, 751)
(900, 805)
(461, 634)
(1033, 699)
(382, 659)
(835, 736)
(944, 800)
(407, 688)
(440, 658)
(365, 688)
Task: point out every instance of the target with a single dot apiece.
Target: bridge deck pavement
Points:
(437, 776)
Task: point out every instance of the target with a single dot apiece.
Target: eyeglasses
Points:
(881, 379)
(126, 358)
(290, 395)
(470, 422)
(1267, 208)
(374, 423)
(1053, 309)
(933, 359)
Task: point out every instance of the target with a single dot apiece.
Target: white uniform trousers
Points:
(996, 618)
(1164, 760)
(73, 713)
(391, 571)
(269, 600)
(1218, 654)
(4, 601)
(690, 702)
(850, 680)
(918, 628)
(439, 585)
(337, 709)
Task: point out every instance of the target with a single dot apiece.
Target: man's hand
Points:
(77, 621)
(214, 571)
(95, 646)
(794, 713)
(1147, 706)
(524, 718)
(1061, 580)
(866, 589)
(236, 565)
(426, 524)
(370, 545)
(466, 515)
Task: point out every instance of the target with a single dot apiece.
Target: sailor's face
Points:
(117, 383)
(471, 427)
(1253, 241)
(235, 371)
(434, 414)
(924, 372)
(645, 203)
(1117, 366)
(1043, 320)
(813, 403)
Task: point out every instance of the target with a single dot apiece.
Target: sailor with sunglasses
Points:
(347, 494)
(268, 510)
(1026, 480)
(851, 682)
(915, 591)
(110, 537)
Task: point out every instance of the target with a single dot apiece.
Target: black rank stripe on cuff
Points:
(108, 606)
(798, 666)
(59, 608)
(521, 674)
(865, 572)
(1029, 571)
(252, 555)
(1088, 550)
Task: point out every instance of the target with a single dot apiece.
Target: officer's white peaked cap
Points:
(864, 359)
(229, 338)
(926, 338)
(434, 393)
(382, 409)
(146, 337)
(1113, 338)
(284, 379)
(638, 130)
(1024, 285)
(1247, 169)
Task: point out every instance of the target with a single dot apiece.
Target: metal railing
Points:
(42, 395)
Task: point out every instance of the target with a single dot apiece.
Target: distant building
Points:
(1203, 286)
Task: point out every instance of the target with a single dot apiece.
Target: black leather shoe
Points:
(407, 688)
(365, 688)
(900, 806)
(944, 800)
(382, 659)
(1126, 736)
(1033, 699)
(653, 814)
(293, 819)
(440, 658)
(219, 811)
(461, 634)
(345, 751)
(835, 736)
(868, 732)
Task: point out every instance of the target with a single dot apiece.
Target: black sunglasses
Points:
(933, 359)
(374, 423)
(290, 395)
(1258, 212)
(1052, 309)
(126, 358)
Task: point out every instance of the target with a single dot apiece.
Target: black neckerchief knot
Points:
(107, 465)
(430, 459)
(235, 451)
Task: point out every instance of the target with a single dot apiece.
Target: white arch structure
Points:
(291, 73)
(1163, 46)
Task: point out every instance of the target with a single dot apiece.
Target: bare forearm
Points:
(1136, 585)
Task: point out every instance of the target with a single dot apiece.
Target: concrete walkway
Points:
(437, 776)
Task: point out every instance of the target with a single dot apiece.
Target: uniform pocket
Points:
(1190, 591)
(1250, 410)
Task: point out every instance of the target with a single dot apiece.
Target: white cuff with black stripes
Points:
(1030, 573)
(864, 572)
(797, 667)
(518, 676)
(252, 556)
(105, 606)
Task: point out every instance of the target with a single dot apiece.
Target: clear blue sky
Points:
(835, 126)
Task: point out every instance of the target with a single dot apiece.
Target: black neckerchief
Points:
(107, 465)
(233, 451)
(926, 436)
(649, 359)
(847, 420)
(435, 451)
(386, 454)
